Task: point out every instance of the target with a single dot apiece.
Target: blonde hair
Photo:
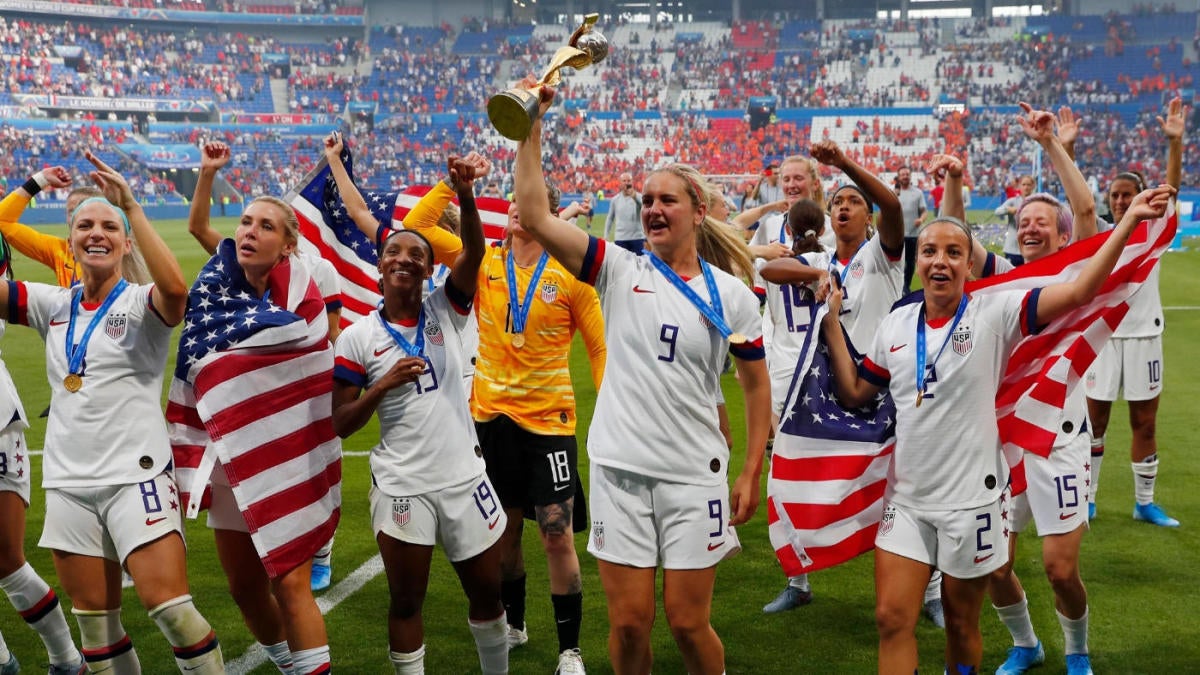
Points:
(817, 191)
(716, 242)
(451, 218)
(291, 225)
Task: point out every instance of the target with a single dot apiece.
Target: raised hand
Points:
(56, 177)
(1038, 125)
(214, 155)
(1150, 203)
(949, 164)
(1173, 124)
(461, 172)
(483, 166)
(334, 146)
(116, 189)
(828, 152)
(1067, 125)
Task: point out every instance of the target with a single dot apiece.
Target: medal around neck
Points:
(512, 112)
(73, 382)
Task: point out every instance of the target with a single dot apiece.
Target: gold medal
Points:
(920, 395)
(737, 338)
(518, 340)
(72, 383)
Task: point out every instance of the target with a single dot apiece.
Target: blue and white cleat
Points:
(1022, 659)
(1091, 511)
(1152, 513)
(788, 599)
(1079, 664)
(10, 667)
(321, 576)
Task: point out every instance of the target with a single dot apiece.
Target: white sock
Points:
(39, 606)
(800, 581)
(1097, 458)
(933, 589)
(191, 637)
(1144, 475)
(409, 663)
(313, 661)
(1015, 618)
(324, 554)
(5, 655)
(106, 645)
(281, 655)
(1075, 633)
(491, 641)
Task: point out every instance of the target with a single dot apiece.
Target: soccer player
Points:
(528, 309)
(869, 267)
(948, 475)
(658, 491)
(1132, 362)
(428, 481)
(109, 486)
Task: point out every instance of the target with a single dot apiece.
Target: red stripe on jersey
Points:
(18, 303)
(876, 370)
(346, 363)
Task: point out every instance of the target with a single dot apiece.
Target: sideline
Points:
(256, 655)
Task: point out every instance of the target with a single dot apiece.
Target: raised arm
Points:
(170, 291)
(567, 243)
(1039, 126)
(1066, 127)
(213, 156)
(464, 273)
(891, 215)
(1173, 127)
(44, 248)
(791, 270)
(1060, 298)
(356, 206)
(752, 215)
(951, 169)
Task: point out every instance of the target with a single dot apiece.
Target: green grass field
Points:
(1142, 589)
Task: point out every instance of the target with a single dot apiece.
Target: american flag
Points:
(329, 232)
(253, 388)
(829, 467)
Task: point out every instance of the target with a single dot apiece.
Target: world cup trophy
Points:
(512, 112)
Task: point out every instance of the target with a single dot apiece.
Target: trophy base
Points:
(512, 113)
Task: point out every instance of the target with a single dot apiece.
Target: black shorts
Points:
(529, 470)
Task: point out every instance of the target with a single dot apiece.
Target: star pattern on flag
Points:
(337, 216)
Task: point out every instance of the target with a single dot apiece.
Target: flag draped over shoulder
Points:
(329, 232)
(253, 388)
(829, 468)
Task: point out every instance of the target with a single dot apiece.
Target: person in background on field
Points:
(1012, 248)
(912, 200)
(624, 217)
(109, 484)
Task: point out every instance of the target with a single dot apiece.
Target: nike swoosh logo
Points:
(57, 323)
(492, 278)
(154, 521)
(639, 289)
(979, 559)
(561, 487)
(896, 348)
(492, 525)
(381, 352)
(713, 547)
(1066, 516)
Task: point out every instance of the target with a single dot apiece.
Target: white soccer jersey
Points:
(469, 335)
(948, 449)
(788, 320)
(11, 410)
(870, 287)
(325, 275)
(111, 431)
(427, 436)
(771, 229)
(655, 414)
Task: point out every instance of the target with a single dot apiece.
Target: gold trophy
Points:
(513, 111)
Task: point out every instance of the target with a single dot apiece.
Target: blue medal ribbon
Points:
(520, 312)
(921, 375)
(783, 229)
(715, 312)
(76, 353)
(409, 348)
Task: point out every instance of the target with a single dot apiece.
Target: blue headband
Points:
(119, 210)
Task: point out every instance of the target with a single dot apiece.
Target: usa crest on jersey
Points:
(115, 326)
(549, 292)
(598, 534)
(889, 519)
(401, 512)
(857, 268)
(960, 342)
(434, 332)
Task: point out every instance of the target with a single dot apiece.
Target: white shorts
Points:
(466, 518)
(1132, 366)
(110, 522)
(14, 462)
(1058, 488)
(964, 543)
(641, 521)
(223, 511)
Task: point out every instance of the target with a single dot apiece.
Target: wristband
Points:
(32, 186)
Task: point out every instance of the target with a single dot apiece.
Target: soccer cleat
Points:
(1152, 513)
(933, 610)
(1021, 659)
(788, 599)
(570, 663)
(80, 669)
(1091, 511)
(12, 667)
(516, 637)
(320, 577)
(1079, 664)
